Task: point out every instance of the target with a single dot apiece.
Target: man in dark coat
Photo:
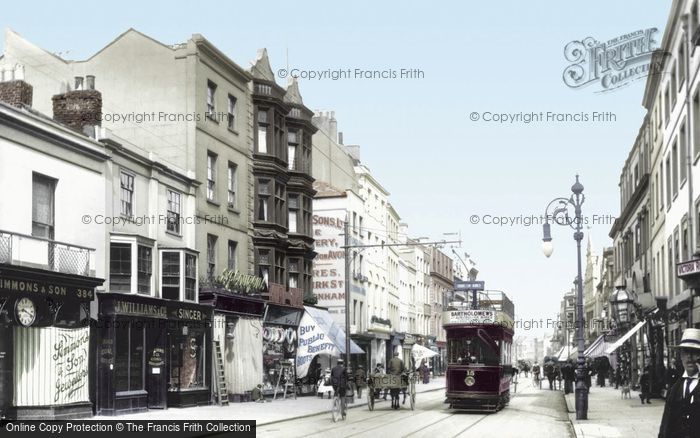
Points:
(569, 374)
(360, 380)
(339, 378)
(681, 417)
(645, 385)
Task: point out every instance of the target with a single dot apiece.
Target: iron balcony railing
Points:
(37, 252)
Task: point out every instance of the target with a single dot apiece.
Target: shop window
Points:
(120, 267)
(170, 285)
(129, 357)
(187, 353)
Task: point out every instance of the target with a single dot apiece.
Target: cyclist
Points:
(339, 380)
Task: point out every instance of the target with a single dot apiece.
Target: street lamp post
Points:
(560, 216)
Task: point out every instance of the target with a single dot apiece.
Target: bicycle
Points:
(536, 381)
(339, 407)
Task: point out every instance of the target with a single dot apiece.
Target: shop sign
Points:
(243, 283)
(469, 316)
(157, 355)
(107, 351)
(61, 376)
(33, 287)
(188, 314)
(140, 309)
(312, 341)
(329, 263)
(688, 268)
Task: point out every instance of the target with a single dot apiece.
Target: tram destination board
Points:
(469, 316)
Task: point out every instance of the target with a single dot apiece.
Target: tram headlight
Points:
(469, 381)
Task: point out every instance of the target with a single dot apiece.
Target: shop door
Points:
(156, 369)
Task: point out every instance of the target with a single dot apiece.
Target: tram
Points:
(479, 350)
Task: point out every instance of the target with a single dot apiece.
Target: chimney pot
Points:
(78, 83)
(90, 82)
(19, 72)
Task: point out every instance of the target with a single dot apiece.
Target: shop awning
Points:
(419, 353)
(611, 349)
(319, 334)
(561, 355)
(597, 347)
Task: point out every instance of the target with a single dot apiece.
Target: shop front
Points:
(45, 344)
(152, 354)
(279, 346)
(321, 343)
(238, 328)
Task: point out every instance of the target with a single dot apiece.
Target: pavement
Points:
(610, 416)
(265, 413)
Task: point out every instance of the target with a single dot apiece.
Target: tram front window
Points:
(470, 351)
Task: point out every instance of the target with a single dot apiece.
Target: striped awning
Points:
(611, 349)
(597, 348)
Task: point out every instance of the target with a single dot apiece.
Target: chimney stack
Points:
(79, 108)
(13, 89)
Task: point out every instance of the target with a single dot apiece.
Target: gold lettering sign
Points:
(41, 287)
(140, 309)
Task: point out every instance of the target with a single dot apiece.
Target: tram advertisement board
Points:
(469, 316)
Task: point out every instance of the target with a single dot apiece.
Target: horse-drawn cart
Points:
(396, 384)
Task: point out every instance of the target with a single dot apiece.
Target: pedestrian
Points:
(681, 418)
(588, 373)
(558, 375)
(602, 373)
(425, 372)
(672, 374)
(569, 376)
(645, 385)
(256, 394)
(360, 380)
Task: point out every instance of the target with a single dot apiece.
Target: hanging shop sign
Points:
(313, 340)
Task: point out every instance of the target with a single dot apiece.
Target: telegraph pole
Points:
(347, 289)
